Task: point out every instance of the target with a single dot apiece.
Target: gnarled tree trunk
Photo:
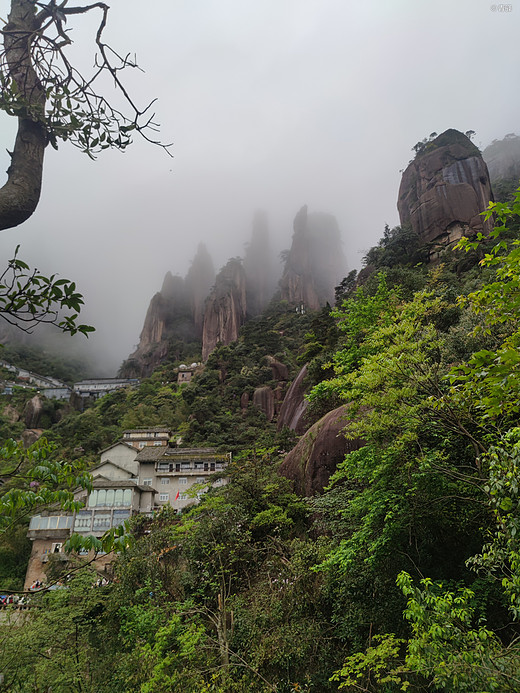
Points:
(21, 193)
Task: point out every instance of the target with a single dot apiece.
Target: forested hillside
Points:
(403, 574)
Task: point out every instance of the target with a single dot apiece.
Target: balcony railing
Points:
(182, 467)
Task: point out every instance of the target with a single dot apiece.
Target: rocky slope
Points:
(444, 190)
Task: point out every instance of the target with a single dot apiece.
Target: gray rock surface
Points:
(444, 190)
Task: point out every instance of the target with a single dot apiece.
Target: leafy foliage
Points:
(28, 298)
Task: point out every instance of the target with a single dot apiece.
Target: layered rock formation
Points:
(444, 190)
(226, 307)
(315, 262)
(317, 454)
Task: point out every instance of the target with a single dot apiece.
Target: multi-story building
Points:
(116, 495)
(178, 474)
(130, 479)
(142, 437)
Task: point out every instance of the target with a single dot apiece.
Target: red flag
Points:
(177, 496)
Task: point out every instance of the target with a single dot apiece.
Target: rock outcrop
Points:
(30, 436)
(11, 413)
(263, 398)
(168, 314)
(315, 263)
(279, 370)
(32, 412)
(294, 406)
(226, 307)
(444, 190)
(175, 314)
(317, 454)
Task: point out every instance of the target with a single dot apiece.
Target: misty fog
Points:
(270, 106)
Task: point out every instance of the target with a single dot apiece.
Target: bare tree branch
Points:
(54, 101)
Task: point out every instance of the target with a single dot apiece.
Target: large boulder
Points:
(317, 454)
(32, 412)
(279, 369)
(263, 398)
(30, 436)
(444, 190)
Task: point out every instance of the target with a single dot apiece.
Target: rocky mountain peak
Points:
(444, 190)
(226, 306)
(315, 263)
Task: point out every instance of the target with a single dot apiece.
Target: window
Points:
(164, 497)
(56, 548)
(183, 496)
(65, 522)
(201, 480)
(183, 480)
(83, 522)
(157, 442)
(147, 482)
(142, 445)
(101, 521)
(165, 480)
(35, 522)
(120, 516)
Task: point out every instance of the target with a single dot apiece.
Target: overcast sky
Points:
(270, 104)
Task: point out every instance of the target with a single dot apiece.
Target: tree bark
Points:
(20, 195)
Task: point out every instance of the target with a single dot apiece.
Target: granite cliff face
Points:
(226, 306)
(174, 316)
(315, 262)
(189, 309)
(169, 315)
(444, 190)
